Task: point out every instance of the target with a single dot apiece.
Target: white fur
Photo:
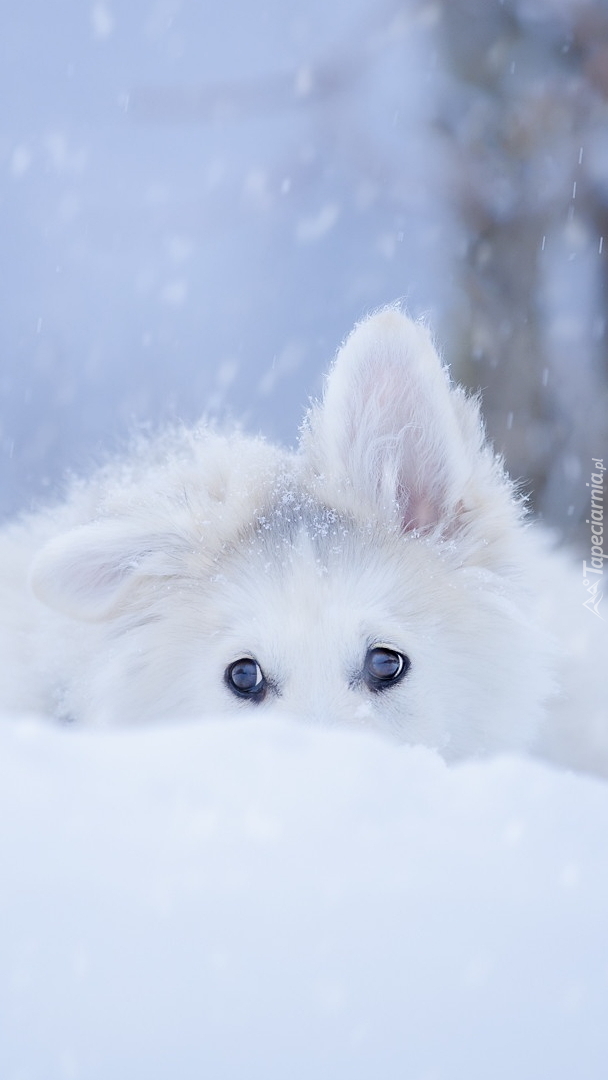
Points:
(392, 524)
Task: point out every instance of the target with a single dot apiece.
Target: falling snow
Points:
(194, 211)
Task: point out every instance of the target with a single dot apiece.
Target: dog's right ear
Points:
(387, 433)
(87, 572)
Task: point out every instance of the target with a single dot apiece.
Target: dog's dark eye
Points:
(245, 678)
(384, 667)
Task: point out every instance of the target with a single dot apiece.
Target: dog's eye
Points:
(245, 678)
(383, 667)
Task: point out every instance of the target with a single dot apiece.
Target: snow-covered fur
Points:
(391, 536)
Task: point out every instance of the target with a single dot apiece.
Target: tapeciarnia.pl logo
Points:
(593, 571)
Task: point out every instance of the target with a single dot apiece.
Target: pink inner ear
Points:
(420, 514)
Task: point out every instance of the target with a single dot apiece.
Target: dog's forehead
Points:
(296, 529)
(293, 514)
(305, 555)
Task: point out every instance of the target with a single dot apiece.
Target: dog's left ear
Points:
(88, 572)
(389, 429)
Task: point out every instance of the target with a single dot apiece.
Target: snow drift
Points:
(260, 900)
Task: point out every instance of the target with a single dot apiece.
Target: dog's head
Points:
(377, 577)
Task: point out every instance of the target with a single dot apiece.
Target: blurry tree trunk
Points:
(524, 109)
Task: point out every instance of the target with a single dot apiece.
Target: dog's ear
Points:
(87, 572)
(389, 428)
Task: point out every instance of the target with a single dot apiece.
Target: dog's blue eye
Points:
(245, 678)
(383, 667)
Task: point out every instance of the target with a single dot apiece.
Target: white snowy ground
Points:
(248, 901)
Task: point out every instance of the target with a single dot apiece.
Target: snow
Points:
(248, 899)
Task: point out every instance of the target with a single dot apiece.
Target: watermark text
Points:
(593, 571)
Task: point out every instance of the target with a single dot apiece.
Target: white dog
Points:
(382, 575)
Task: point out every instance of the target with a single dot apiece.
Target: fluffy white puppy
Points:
(381, 575)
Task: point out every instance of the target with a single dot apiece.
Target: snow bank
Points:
(248, 900)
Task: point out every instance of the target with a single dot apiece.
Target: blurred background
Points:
(198, 201)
